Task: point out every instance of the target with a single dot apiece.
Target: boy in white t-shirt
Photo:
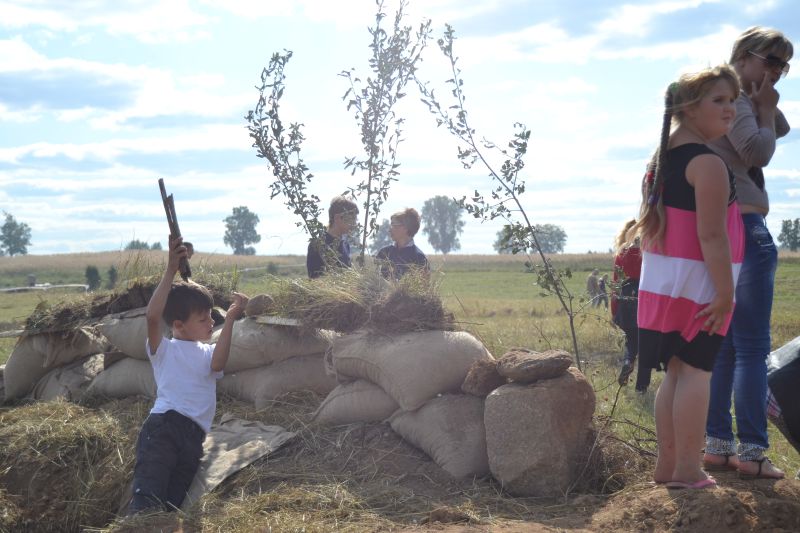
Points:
(186, 371)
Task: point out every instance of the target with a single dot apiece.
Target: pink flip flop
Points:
(707, 483)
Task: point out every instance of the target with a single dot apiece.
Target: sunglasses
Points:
(773, 61)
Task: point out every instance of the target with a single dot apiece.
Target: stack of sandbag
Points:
(128, 372)
(265, 360)
(268, 360)
(539, 424)
(35, 356)
(413, 379)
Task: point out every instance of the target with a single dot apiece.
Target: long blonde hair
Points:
(680, 96)
(624, 239)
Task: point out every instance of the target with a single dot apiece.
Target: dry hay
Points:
(350, 299)
(86, 309)
(65, 464)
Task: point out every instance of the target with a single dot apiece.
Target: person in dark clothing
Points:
(334, 250)
(396, 259)
(624, 305)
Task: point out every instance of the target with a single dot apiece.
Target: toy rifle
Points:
(174, 230)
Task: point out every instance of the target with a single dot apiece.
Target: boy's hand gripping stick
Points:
(174, 230)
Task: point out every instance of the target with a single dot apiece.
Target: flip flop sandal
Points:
(725, 466)
(707, 483)
(758, 475)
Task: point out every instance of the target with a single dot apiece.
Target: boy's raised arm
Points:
(155, 308)
(223, 347)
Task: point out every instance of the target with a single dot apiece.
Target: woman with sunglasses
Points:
(760, 57)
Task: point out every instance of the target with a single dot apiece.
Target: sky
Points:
(100, 99)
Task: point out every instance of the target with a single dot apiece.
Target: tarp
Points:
(231, 445)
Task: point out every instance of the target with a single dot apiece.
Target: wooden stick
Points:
(174, 230)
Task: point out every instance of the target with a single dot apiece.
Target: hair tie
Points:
(673, 88)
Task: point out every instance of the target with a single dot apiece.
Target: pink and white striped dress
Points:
(675, 284)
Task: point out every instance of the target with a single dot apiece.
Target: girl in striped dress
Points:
(692, 244)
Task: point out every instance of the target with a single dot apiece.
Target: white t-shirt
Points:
(185, 381)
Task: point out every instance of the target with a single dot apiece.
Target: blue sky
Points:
(100, 99)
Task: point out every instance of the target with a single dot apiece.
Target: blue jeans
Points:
(741, 365)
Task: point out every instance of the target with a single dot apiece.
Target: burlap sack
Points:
(263, 384)
(35, 355)
(411, 367)
(450, 429)
(127, 332)
(129, 377)
(355, 401)
(254, 345)
(68, 382)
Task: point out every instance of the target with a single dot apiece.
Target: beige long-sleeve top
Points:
(747, 145)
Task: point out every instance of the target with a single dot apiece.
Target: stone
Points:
(482, 378)
(538, 435)
(259, 304)
(526, 366)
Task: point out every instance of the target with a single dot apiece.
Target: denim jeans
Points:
(741, 365)
(168, 453)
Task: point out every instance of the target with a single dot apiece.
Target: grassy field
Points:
(491, 296)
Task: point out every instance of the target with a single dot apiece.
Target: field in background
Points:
(491, 296)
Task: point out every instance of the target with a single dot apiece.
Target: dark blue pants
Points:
(168, 454)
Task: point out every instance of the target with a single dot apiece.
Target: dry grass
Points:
(68, 464)
(351, 299)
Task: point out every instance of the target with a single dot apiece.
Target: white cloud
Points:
(631, 19)
(202, 138)
(146, 20)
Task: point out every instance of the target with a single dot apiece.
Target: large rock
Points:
(537, 435)
(526, 366)
(482, 378)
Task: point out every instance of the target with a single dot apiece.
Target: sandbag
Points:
(411, 367)
(68, 382)
(35, 355)
(128, 377)
(254, 344)
(355, 401)
(263, 384)
(449, 429)
(127, 332)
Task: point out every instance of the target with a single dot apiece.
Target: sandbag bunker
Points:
(525, 418)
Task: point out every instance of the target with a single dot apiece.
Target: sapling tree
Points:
(280, 146)
(395, 55)
(508, 186)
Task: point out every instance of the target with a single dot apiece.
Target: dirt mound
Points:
(735, 506)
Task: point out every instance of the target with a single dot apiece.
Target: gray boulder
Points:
(538, 435)
(526, 366)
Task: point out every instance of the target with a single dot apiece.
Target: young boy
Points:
(396, 259)
(335, 251)
(186, 370)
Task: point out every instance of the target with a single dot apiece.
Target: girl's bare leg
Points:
(665, 430)
(689, 412)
